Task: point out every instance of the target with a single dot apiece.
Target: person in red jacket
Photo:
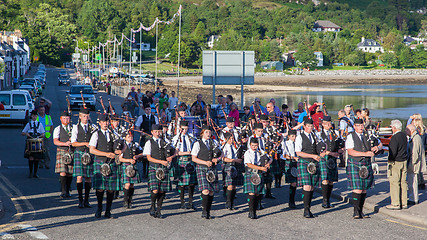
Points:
(316, 114)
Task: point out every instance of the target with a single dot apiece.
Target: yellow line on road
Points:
(406, 224)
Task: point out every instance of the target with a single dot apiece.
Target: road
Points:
(35, 211)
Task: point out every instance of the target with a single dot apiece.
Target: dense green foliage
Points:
(268, 27)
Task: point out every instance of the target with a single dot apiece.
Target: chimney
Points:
(363, 39)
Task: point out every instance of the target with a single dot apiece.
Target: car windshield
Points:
(85, 90)
(27, 84)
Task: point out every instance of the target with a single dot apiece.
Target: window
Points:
(5, 98)
(19, 99)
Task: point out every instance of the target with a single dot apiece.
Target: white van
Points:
(17, 104)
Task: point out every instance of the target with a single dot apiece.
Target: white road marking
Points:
(32, 231)
(5, 235)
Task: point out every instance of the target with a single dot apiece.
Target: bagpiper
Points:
(185, 170)
(83, 164)
(106, 172)
(290, 168)
(64, 153)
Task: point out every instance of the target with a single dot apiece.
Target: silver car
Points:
(75, 95)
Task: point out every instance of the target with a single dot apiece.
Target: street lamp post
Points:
(87, 67)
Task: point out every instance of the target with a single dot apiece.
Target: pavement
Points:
(379, 197)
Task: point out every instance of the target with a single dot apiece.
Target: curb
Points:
(376, 209)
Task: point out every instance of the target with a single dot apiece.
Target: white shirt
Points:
(29, 127)
(139, 120)
(234, 130)
(196, 147)
(147, 146)
(249, 157)
(173, 101)
(349, 143)
(94, 138)
(227, 151)
(75, 130)
(343, 125)
(298, 141)
(180, 144)
(57, 130)
(289, 148)
(261, 146)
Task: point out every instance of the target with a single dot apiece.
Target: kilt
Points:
(354, 180)
(112, 182)
(184, 178)
(79, 169)
(275, 168)
(248, 187)
(237, 181)
(125, 179)
(326, 173)
(305, 178)
(288, 176)
(203, 182)
(60, 166)
(156, 184)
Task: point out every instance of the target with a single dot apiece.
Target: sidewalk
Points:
(379, 196)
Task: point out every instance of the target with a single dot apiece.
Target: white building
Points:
(370, 45)
(325, 26)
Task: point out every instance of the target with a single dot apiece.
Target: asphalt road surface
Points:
(33, 209)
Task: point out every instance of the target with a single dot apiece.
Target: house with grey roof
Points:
(325, 26)
(370, 45)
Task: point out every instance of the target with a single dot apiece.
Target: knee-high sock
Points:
(292, 191)
(228, 195)
(131, 192)
(233, 194)
(88, 186)
(181, 191)
(325, 189)
(125, 195)
(190, 193)
(356, 202)
(330, 188)
(362, 201)
(210, 200)
(205, 200)
(69, 180)
(110, 197)
(160, 197)
(80, 190)
(251, 203)
(63, 180)
(100, 197)
(306, 199)
(36, 167)
(30, 166)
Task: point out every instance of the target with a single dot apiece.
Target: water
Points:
(385, 102)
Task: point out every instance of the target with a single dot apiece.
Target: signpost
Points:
(228, 68)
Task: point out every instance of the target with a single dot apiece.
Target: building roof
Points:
(408, 39)
(325, 24)
(368, 43)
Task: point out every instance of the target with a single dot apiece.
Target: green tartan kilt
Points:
(60, 166)
(184, 178)
(275, 168)
(109, 183)
(203, 182)
(354, 179)
(125, 179)
(79, 169)
(237, 181)
(305, 178)
(326, 173)
(248, 187)
(288, 176)
(156, 184)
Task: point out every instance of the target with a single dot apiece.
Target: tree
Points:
(405, 57)
(356, 58)
(420, 56)
(390, 59)
(185, 57)
(305, 56)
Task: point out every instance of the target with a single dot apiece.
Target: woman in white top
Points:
(33, 129)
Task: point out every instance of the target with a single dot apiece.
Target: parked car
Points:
(76, 97)
(63, 80)
(29, 89)
(18, 104)
(41, 79)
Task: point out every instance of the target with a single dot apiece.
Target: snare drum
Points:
(34, 145)
(194, 125)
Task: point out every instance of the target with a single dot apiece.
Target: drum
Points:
(34, 145)
(194, 125)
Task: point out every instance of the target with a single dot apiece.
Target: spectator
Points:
(2, 103)
(157, 93)
(303, 114)
(365, 117)
(222, 112)
(197, 110)
(147, 99)
(259, 108)
(162, 99)
(165, 92)
(109, 87)
(154, 106)
(246, 115)
(316, 114)
(346, 125)
(286, 115)
(229, 100)
(173, 101)
(358, 113)
(276, 108)
(349, 112)
(234, 112)
(270, 108)
(416, 163)
(397, 167)
(218, 98)
(131, 105)
(165, 114)
(46, 103)
(46, 121)
(200, 101)
(140, 95)
(417, 120)
(296, 113)
(133, 94)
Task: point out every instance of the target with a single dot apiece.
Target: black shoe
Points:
(308, 214)
(159, 214)
(183, 205)
(254, 216)
(98, 213)
(292, 205)
(62, 195)
(204, 214)
(30, 175)
(362, 215)
(412, 203)
(208, 216)
(356, 215)
(87, 205)
(251, 215)
(326, 204)
(67, 195)
(35, 176)
(191, 206)
(125, 204)
(81, 205)
(129, 205)
(107, 214)
(153, 211)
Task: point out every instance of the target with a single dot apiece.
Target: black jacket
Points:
(398, 148)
